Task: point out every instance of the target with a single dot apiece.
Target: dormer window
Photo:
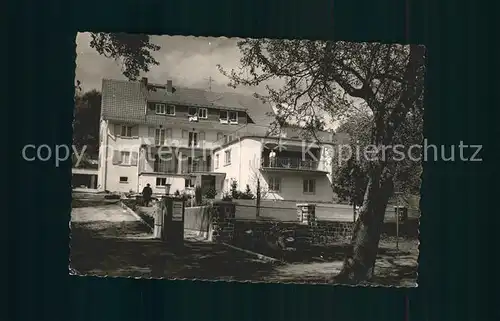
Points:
(164, 109)
(202, 113)
(160, 109)
(192, 111)
(233, 117)
(223, 117)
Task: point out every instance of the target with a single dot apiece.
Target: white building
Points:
(182, 137)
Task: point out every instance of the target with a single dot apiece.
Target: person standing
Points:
(146, 195)
(272, 158)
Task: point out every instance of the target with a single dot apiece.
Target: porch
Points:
(291, 157)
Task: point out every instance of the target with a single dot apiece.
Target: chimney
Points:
(169, 86)
(144, 81)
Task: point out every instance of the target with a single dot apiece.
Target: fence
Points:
(286, 211)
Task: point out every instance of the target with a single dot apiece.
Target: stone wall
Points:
(309, 230)
(222, 223)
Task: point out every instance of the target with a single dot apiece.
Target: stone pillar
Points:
(222, 221)
(306, 213)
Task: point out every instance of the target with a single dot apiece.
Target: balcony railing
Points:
(291, 163)
(196, 167)
(164, 168)
(182, 142)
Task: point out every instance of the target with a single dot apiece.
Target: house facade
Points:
(300, 170)
(164, 135)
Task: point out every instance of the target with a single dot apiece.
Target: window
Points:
(223, 116)
(202, 113)
(192, 111)
(216, 161)
(220, 137)
(228, 138)
(123, 179)
(227, 157)
(193, 139)
(188, 183)
(126, 131)
(170, 110)
(125, 158)
(309, 186)
(160, 109)
(160, 136)
(274, 184)
(161, 181)
(233, 117)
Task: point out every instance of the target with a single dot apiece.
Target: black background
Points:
(455, 270)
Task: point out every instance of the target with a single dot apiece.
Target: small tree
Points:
(234, 190)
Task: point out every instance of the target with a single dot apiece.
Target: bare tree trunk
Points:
(360, 261)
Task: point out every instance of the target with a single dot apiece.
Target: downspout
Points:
(106, 156)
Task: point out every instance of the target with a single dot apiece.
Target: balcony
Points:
(182, 143)
(166, 168)
(290, 163)
(195, 168)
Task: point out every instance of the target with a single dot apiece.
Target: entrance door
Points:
(207, 182)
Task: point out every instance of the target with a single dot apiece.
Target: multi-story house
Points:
(165, 135)
(300, 170)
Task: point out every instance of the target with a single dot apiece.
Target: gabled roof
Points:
(126, 101)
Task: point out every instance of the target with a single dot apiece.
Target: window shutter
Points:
(184, 133)
(133, 158)
(118, 130)
(220, 136)
(135, 131)
(169, 132)
(152, 131)
(202, 137)
(116, 157)
(305, 186)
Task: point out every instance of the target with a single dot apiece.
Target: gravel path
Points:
(106, 213)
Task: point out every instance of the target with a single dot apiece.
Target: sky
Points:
(187, 61)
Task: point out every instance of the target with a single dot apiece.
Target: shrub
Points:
(177, 193)
(247, 195)
(210, 193)
(234, 190)
(227, 197)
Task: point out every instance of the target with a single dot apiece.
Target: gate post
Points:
(173, 221)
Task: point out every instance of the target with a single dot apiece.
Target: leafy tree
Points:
(86, 123)
(408, 170)
(134, 51)
(340, 78)
(350, 182)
